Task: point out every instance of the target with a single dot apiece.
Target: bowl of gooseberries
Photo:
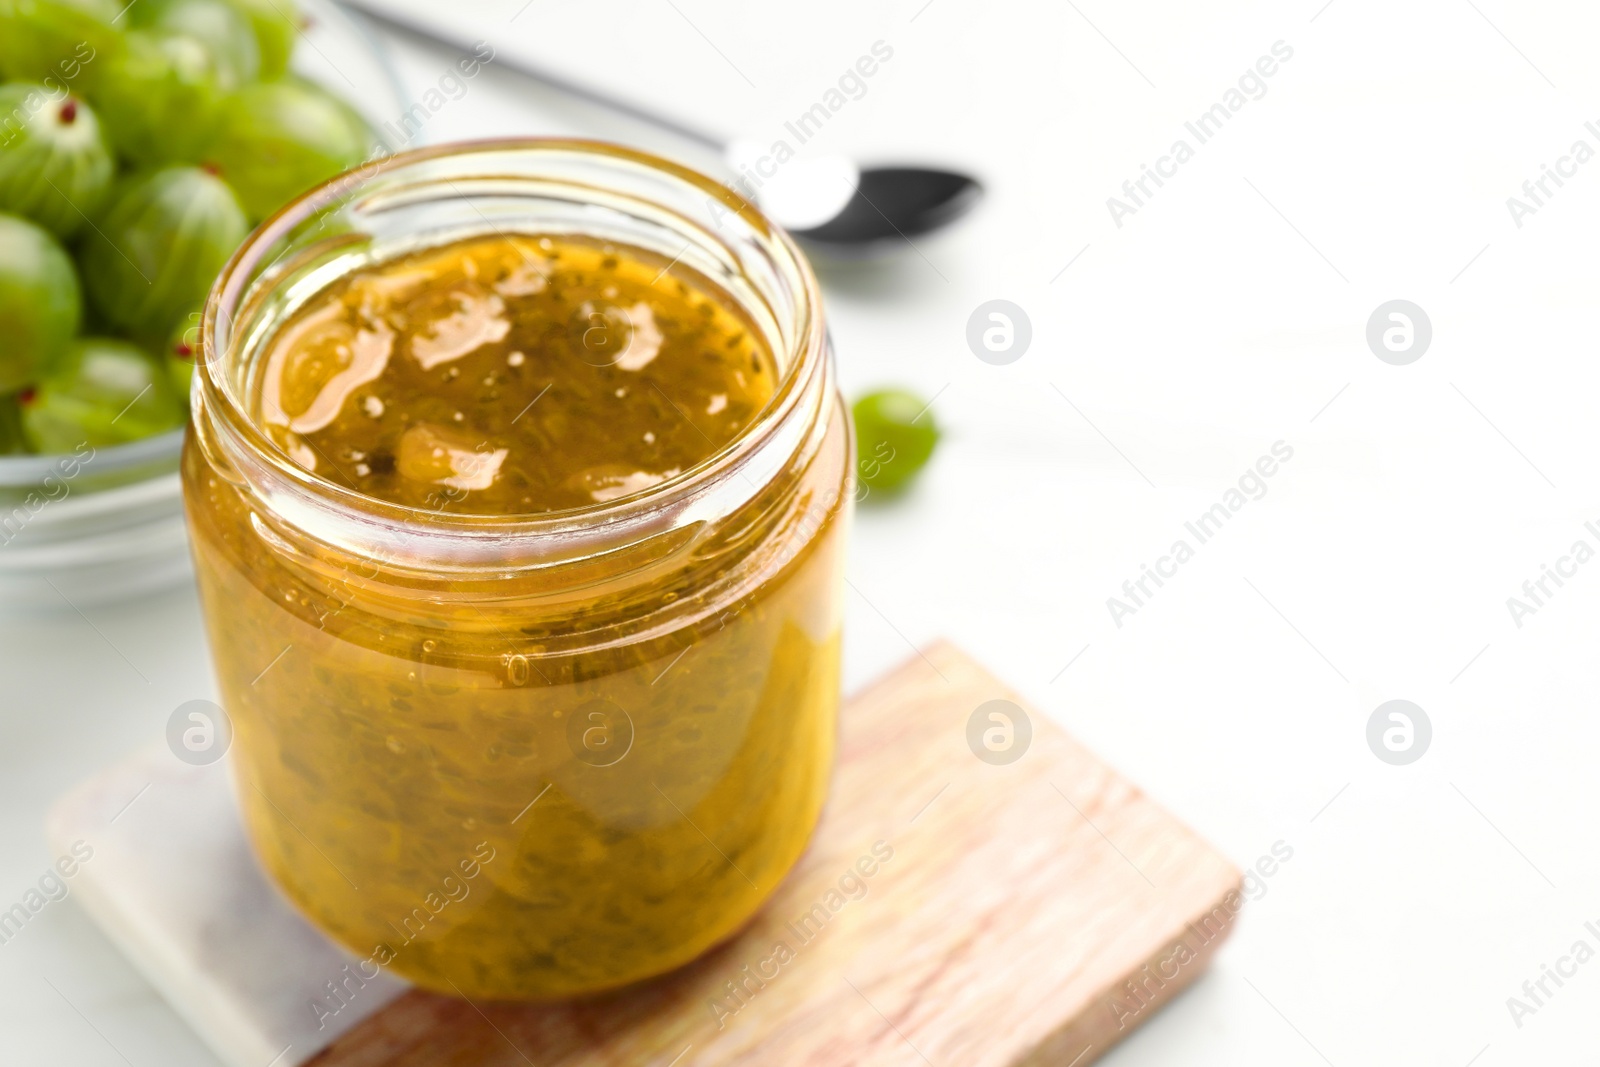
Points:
(139, 145)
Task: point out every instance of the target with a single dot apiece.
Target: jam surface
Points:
(511, 375)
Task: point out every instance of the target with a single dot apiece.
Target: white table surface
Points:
(1227, 314)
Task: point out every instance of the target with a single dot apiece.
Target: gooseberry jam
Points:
(509, 375)
(518, 531)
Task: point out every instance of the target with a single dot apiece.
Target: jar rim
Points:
(630, 516)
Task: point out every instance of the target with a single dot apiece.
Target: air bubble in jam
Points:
(641, 369)
(437, 455)
(614, 481)
(531, 276)
(323, 359)
(474, 319)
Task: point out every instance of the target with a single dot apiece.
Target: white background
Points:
(1227, 314)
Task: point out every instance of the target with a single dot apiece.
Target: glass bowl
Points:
(107, 524)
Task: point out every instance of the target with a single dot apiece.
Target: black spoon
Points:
(865, 210)
(894, 203)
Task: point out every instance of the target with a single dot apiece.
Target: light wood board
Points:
(1030, 913)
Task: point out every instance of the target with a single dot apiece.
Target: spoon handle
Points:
(377, 11)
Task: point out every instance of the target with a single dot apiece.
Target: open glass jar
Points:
(526, 755)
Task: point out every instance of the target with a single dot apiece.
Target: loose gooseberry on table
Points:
(895, 438)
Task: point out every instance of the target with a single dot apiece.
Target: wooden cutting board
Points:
(1027, 907)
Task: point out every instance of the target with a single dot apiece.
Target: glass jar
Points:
(526, 756)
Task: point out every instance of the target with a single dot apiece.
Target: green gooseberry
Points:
(183, 351)
(277, 140)
(62, 43)
(217, 24)
(106, 392)
(159, 247)
(41, 302)
(12, 441)
(895, 437)
(159, 100)
(276, 23)
(55, 165)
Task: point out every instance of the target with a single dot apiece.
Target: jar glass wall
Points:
(540, 755)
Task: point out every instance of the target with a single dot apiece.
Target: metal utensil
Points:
(829, 202)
